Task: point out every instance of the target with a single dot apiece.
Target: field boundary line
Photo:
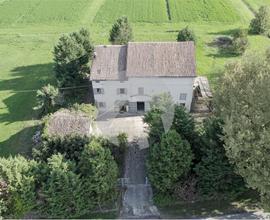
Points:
(168, 9)
(249, 7)
(92, 11)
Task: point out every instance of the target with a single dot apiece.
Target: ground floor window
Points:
(140, 106)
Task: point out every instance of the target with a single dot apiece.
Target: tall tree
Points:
(62, 193)
(72, 56)
(121, 32)
(243, 102)
(99, 172)
(261, 23)
(168, 161)
(215, 174)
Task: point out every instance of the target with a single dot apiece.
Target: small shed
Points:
(202, 96)
(65, 122)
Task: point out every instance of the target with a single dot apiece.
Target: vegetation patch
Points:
(201, 10)
(42, 11)
(136, 10)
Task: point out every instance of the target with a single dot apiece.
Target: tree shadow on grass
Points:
(19, 143)
(19, 100)
(225, 32)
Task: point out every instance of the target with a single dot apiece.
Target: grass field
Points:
(203, 11)
(136, 10)
(30, 28)
(255, 4)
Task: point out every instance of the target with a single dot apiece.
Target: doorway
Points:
(140, 106)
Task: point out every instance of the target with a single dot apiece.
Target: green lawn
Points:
(26, 44)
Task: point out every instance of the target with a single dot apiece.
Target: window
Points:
(183, 104)
(122, 91)
(99, 71)
(141, 91)
(101, 104)
(183, 96)
(98, 91)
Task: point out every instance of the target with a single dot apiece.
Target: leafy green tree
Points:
(18, 182)
(186, 34)
(99, 172)
(215, 174)
(48, 99)
(72, 56)
(121, 32)
(261, 23)
(168, 161)
(243, 101)
(239, 42)
(62, 193)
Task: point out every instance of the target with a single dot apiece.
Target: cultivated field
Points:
(136, 10)
(30, 28)
(203, 11)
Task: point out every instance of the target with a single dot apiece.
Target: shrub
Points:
(121, 32)
(62, 193)
(18, 182)
(239, 42)
(215, 174)
(72, 55)
(71, 146)
(48, 99)
(99, 172)
(186, 190)
(168, 161)
(122, 141)
(186, 34)
(261, 23)
(88, 109)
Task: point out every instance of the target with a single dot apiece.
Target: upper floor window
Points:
(122, 91)
(140, 90)
(183, 96)
(98, 91)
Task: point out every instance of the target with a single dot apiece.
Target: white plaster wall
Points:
(152, 86)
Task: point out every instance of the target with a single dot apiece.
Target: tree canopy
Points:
(121, 32)
(168, 161)
(72, 56)
(243, 101)
(186, 34)
(261, 23)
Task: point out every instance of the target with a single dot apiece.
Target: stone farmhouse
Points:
(125, 77)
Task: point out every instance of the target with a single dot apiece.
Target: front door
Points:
(140, 106)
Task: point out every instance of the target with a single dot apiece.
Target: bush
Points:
(48, 99)
(72, 56)
(122, 141)
(18, 182)
(186, 190)
(261, 23)
(88, 109)
(186, 34)
(62, 193)
(216, 175)
(71, 146)
(121, 32)
(168, 161)
(99, 172)
(239, 42)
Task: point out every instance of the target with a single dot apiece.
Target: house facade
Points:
(125, 78)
